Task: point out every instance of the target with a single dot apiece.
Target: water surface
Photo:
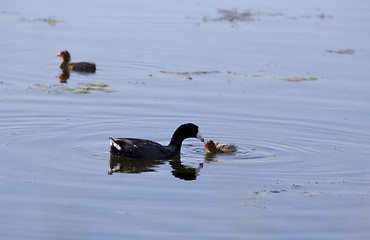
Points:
(302, 165)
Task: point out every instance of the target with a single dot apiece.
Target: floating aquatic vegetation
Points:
(53, 88)
(50, 21)
(83, 88)
(257, 198)
(88, 87)
(190, 73)
(278, 191)
(243, 74)
(248, 16)
(234, 15)
(342, 51)
(298, 79)
(322, 16)
(81, 91)
(87, 84)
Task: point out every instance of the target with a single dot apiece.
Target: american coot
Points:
(80, 66)
(146, 149)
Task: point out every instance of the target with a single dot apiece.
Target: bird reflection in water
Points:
(210, 157)
(64, 76)
(127, 165)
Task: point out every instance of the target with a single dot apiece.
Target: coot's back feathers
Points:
(147, 149)
(138, 148)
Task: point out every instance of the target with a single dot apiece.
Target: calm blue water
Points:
(302, 167)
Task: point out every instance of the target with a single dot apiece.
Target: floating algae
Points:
(190, 73)
(53, 88)
(81, 91)
(83, 88)
(87, 84)
(93, 87)
(298, 79)
(342, 51)
(234, 15)
(50, 21)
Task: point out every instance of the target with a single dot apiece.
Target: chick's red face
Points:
(207, 143)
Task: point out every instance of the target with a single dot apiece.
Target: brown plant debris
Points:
(189, 73)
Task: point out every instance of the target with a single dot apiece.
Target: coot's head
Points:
(187, 130)
(64, 55)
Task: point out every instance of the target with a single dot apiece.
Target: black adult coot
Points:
(145, 149)
(79, 66)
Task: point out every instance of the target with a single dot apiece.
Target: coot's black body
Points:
(146, 149)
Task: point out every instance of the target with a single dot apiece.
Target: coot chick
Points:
(145, 149)
(218, 148)
(79, 66)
